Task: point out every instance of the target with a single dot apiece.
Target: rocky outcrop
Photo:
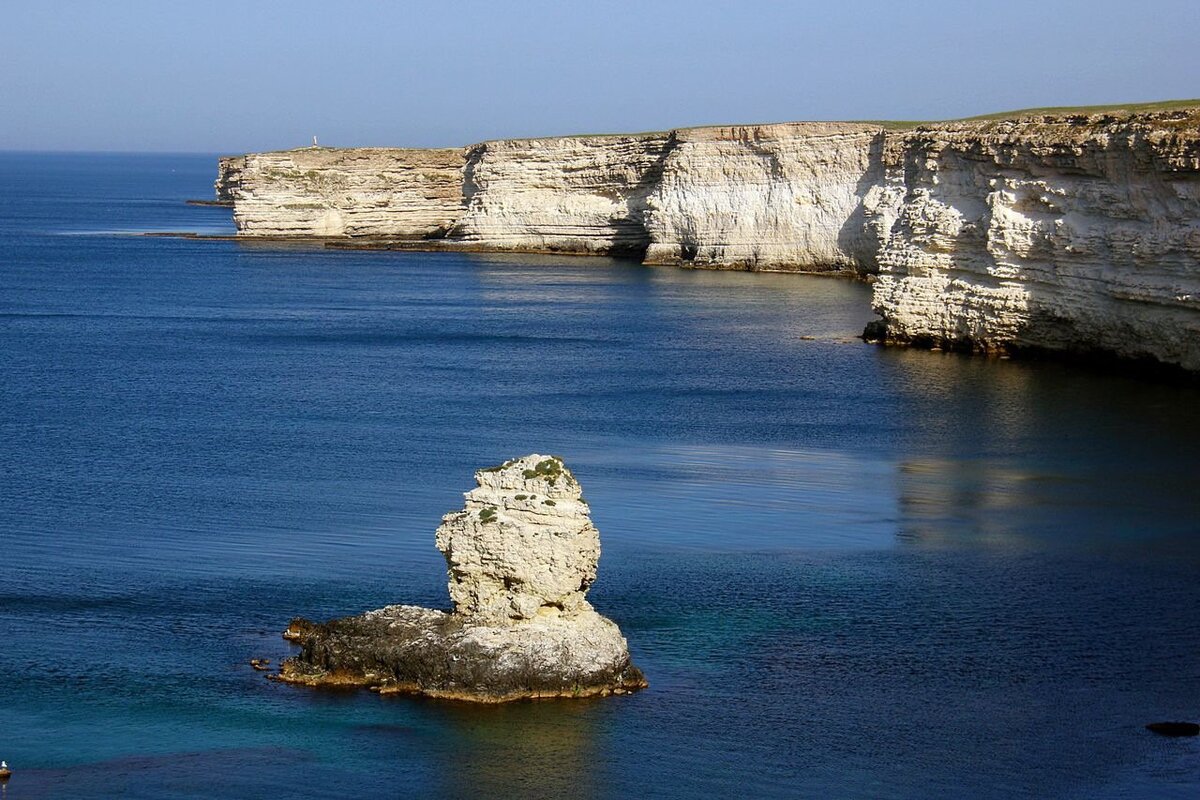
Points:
(369, 192)
(1174, 729)
(1070, 233)
(521, 555)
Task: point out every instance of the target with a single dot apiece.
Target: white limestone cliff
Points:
(766, 197)
(1071, 233)
(359, 192)
(583, 194)
(1076, 234)
(229, 178)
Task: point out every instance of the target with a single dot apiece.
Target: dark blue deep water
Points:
(847, 571)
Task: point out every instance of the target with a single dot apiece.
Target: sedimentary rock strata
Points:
(1075, 233)
(584, 194)
(360, 192)
(521, 555)
(523, 545)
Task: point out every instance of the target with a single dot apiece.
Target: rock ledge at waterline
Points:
(521, 555)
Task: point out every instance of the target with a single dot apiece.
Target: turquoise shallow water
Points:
(847, 571)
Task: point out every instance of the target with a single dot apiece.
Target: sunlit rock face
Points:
(1069, 233)
(1078, 234)
(521, 555)
(577, 194)
(523, 545)
(371, 192)
(766, 197)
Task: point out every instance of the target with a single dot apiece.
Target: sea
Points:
(846, 570)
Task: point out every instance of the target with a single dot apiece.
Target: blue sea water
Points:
(847, 571)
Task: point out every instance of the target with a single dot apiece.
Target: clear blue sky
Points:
(237, 76)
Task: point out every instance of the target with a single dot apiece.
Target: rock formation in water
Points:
(521, 555)
(1070, 232)
(1174, 729)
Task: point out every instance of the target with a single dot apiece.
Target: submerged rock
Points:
(1174, 728)
(521, 555)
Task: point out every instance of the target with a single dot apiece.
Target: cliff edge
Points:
(521, 555)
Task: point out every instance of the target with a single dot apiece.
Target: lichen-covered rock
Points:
(408, 649)
(521, 555)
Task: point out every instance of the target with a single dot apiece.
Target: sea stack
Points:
(521, 555)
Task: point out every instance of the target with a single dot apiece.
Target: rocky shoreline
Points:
(521, 555)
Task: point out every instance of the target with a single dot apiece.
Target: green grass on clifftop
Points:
(898, 124)
(1161, 105)
(1053, 111)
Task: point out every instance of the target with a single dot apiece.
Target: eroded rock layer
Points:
(523, 545)
(229, 178)
(361, 192)
(1076, 233)
(520, 555)
(413, 650)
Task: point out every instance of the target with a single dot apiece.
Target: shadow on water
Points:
(524, 749)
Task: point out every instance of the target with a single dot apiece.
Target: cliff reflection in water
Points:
(1035, 455)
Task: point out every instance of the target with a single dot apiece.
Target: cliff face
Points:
(229, 178)
(1068, 232)
(360, 192)
(768, 197)
(774, 197)
(584, 194)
